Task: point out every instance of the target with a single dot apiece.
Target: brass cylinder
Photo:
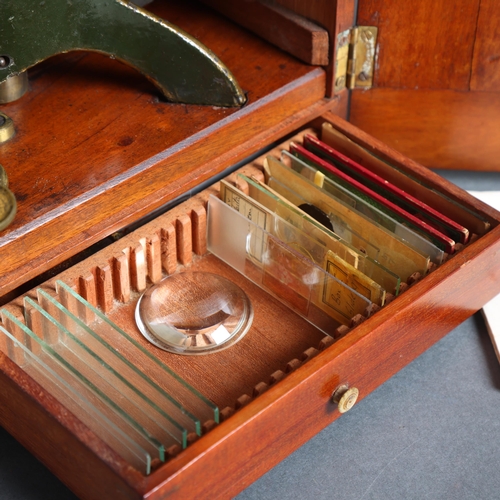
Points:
(7, 130)
(4, 181)
(8, 207)
(8, 204)
(14, 87)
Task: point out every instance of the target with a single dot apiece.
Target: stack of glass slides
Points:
(122, 392)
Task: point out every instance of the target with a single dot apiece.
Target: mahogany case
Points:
(96, 151)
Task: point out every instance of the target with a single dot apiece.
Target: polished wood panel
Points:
(440, 129)
(486, 62)
(96, 149)
(422, 45)
(279, 26)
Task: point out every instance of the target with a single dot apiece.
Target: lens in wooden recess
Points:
(194, 313)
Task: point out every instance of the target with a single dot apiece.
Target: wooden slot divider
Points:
(242, 401)
(325, 342)
(50, 332)
(207, 426)
(104, 282)
(309, 353)
(199, 227)
(153, 257)
(225, 413)
(138, 268)
(276, 377)
(15, 354)
(292, 365)
(169, 249)
(31, 318)
(357, 320)
(372, 309)
(121, 277)
(184, 239)
(87, 288)
(191, 438)
(69, 301)
(33, 322)
(54, 311)
(259, 389)
(173, 451)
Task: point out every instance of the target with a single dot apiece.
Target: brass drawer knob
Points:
(345, 397)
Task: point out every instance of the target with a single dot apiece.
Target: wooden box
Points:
(96, 152)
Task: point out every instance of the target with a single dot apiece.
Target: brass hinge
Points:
(355, 59)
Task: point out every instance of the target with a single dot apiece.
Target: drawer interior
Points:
(279, 341)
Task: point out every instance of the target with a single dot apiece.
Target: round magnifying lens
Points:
(194, 313)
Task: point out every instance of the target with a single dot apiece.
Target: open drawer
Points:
(257, 394)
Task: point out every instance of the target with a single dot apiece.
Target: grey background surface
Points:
(431, 432)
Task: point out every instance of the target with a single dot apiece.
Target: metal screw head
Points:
(363, 76)
(340, 81)
(366, 35)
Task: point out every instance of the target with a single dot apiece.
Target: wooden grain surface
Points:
(486, 62)
(96, 149)
(438, 128)
(422, 45)
(275, 338)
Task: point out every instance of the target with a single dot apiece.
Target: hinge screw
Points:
(366, 35)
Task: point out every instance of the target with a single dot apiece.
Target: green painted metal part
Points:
(181, 67)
